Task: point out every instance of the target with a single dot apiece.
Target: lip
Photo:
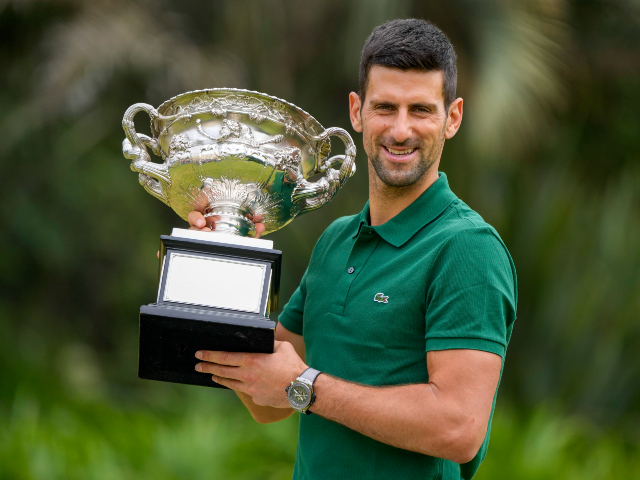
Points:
(398, 158)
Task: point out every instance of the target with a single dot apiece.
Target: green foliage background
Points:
(547, 153)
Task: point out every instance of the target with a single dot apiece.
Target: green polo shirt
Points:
(374, 299)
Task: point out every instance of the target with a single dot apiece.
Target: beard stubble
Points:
(399, 178)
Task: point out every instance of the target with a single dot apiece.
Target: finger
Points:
(231, 359)
(257, 221)
(232, 384)
(211, 221)
(219, 370)
(196, 219)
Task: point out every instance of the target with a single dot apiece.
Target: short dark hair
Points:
(410, 44)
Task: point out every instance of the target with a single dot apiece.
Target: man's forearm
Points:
(264, 414)
(412, 417)
(446, 418)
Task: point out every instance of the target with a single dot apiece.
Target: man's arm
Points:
(445, 418)
(266, 414)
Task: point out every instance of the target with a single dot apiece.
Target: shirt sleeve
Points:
(471, 297)
(292, 313)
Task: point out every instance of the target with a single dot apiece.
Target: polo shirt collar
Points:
(397, 231)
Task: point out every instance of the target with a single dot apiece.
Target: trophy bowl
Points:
(237, 154)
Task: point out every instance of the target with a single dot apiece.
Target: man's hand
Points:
(199, 222)
(263, 376)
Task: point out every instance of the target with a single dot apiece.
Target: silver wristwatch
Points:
(300, 393)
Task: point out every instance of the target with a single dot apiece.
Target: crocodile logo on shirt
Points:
(381, 298)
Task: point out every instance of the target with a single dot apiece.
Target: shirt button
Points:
(351, 270)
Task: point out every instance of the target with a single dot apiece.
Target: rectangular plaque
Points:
(214, 282)
(271, 258)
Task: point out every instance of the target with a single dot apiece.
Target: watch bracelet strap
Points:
(310, 374)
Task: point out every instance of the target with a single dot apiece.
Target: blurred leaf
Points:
(519, 81)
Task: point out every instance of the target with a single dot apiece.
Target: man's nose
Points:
(401, 129)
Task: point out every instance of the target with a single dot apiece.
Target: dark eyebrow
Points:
(381, 102)
(428, 106)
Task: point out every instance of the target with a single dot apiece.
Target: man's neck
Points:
(386, 202)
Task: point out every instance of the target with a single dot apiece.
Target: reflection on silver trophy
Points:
(233, 153)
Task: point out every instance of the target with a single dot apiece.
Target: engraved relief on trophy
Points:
(234, 130)
(179, 150)
(288, 161)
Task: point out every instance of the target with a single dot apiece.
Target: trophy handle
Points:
(316, 194)
(152, 176)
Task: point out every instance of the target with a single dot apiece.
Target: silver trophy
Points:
(235, 155)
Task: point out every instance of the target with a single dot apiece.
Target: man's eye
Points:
(385, 107)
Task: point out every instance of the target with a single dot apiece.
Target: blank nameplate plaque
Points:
(214, 282)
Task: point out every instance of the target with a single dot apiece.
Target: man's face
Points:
(403, 123)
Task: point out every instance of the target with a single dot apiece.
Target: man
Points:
(416, 271)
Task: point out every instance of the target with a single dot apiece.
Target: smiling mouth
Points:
(399, 153)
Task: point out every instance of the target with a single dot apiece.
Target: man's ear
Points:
(354, 112)
(454, 118)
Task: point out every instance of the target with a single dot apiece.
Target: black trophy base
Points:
(170, 337)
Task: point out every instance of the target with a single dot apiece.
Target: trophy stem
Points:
(232, 221)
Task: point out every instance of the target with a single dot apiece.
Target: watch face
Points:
(299, 395)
